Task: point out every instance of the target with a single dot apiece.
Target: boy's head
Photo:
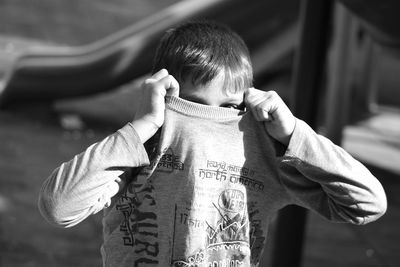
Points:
(200, 53)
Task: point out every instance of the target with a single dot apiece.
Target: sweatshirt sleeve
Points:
(323, 177)
(85, 184)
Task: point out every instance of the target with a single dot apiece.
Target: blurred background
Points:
(69, 69)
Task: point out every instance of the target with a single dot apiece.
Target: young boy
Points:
(212, 175)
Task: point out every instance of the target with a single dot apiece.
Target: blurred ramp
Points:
(376, 140)
(57, 73)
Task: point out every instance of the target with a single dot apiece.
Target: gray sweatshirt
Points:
(205, 193)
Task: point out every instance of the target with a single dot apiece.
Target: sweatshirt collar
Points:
(202, 111)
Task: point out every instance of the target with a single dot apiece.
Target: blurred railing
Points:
(117, 59)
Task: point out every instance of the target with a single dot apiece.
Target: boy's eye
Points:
(234, 106)
(231, 106)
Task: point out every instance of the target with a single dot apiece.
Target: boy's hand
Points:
(269, 108)
(150, 114)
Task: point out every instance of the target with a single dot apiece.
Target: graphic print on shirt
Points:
(139, 226)
(220, 171)
(165, 161)
(230, 228)
(138, 206)
(168, 162)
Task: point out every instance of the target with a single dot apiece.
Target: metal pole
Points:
(306, 95)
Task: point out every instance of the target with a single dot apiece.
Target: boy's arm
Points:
(86, 184)
(316, 173)
(325, 178)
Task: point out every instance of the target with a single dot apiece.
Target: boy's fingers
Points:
(253, 97)
(263, 113)
(159, 74)
(264, 110)
(262, 104)
(171, 85)
(248, 95)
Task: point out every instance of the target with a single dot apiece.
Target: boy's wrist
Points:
(288, 130)
(145, 129)
(285, 140)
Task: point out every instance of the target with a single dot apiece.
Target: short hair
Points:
(201, 50)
